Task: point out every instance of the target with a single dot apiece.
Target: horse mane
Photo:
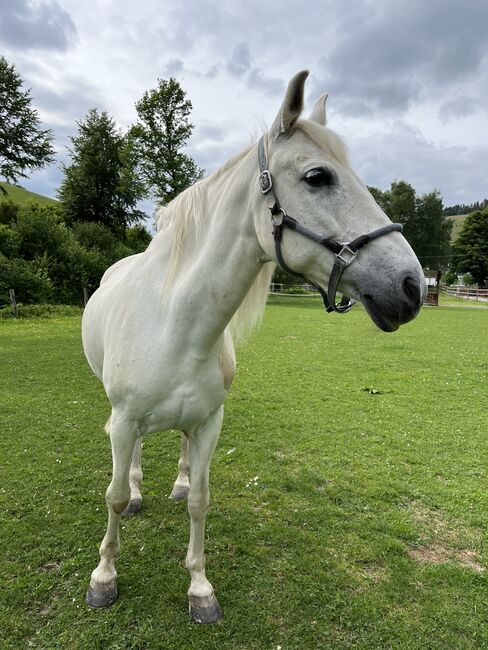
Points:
(186, 213)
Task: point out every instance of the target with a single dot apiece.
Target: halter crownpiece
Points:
(345, 252)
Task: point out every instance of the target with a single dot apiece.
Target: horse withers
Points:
(159, 330)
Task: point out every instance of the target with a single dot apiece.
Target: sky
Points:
(407, 80)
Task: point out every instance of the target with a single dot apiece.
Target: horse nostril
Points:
(412, 290)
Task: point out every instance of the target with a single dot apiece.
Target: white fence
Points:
(468, 293)
(293, 289)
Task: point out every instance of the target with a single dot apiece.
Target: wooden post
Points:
(15, 309)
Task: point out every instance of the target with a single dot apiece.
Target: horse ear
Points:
(292, 105)
(318, 112)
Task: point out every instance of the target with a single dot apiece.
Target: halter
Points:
(345, 253)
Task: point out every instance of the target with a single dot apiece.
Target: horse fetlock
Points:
(109, 551)
(195, 565)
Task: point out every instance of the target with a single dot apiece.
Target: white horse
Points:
(159, 331)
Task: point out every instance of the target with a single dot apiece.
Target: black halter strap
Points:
(345, 253)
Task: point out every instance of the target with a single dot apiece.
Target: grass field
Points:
(351, 513)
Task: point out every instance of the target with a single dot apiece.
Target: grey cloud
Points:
(71, 99)
(25, 25)
(240, 65)
(173, 67)
(459, 107)
(239, 62)
(208, 132)
(256, 79)
(393, 53)
(212, 72)
(403, 153)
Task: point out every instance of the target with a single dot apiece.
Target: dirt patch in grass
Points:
(443, 540)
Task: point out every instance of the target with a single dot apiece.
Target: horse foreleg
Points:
(204, 607)
(135, 478)
(181, 488)
(102, 591)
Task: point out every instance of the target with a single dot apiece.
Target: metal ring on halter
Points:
(278, 223)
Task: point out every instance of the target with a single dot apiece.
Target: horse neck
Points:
(222, 257)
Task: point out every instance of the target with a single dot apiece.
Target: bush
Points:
(41, 311)
(8, 211)
(30, 280)
(9, 241)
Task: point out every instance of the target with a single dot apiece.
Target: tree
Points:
(101, 185)
(470, 250)
(159, 136)
(425, 226)
(429, 232)
(23, 144)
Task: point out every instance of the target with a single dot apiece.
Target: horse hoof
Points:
(179, 493)
(101, 597)
(132, 508)
(205, 610)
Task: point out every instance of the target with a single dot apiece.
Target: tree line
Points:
(58, 253)
(53, 253)
(465, 208)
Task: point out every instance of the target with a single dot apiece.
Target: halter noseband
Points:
(345, 252)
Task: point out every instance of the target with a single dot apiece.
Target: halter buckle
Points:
(346, 255)
(277, 218)
(265, 182)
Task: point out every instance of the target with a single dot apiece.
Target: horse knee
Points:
(198, 505)
(117, 500)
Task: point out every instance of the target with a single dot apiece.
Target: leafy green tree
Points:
(137, 238)
(429, 231)
(24, 145)
(425, 226)
(159, 137)
(101, 185)
(470, 250)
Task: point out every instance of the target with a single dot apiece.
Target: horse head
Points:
(318, 204)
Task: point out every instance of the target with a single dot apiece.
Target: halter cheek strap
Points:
(345, 253)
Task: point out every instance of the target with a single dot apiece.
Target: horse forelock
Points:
(326, 139)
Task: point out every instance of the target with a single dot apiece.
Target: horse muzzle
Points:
(400, 307)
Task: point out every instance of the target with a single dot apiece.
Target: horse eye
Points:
(319, 177)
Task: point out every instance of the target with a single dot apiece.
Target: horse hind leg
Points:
(181, 487)
(102, 591)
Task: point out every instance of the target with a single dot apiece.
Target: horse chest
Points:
(168, 390)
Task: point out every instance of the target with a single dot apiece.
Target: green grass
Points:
(22, 196)
(366, 527)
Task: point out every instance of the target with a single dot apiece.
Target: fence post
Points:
(13, 301)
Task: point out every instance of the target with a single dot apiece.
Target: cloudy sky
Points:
(407, 80)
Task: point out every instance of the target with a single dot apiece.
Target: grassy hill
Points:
(21, 196)
(458, 220)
